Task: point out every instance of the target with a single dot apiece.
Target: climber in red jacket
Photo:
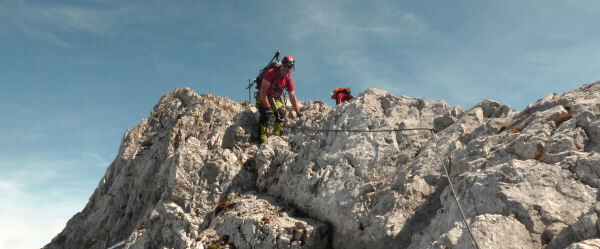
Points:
(270, 102)
(341, 95)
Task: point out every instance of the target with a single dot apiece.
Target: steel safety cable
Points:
(367, 131)
(462, 213)
(434, 137)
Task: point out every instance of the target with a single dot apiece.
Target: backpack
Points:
(273, 64)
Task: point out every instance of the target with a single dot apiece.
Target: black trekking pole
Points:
(275, 57)
(251, 82)
(249, 85)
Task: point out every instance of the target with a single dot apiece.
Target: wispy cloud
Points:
(31, 219)
(362, 71)
(15, 109)
(96, 160)
(333, 23)
(49, 22)
(47, 167)
(582, 56)
(38, 196)
(358, 45)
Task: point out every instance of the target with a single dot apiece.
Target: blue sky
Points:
(74, 75)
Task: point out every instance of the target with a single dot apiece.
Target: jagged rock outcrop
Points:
(171, 173)
(588, 244)
(352, 176)
(251, 222)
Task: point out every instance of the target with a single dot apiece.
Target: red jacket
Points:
(283, 82)
(341, 97)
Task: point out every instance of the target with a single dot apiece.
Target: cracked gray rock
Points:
(261, 222)
(191, 176)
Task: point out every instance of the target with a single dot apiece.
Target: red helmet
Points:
(288, 61)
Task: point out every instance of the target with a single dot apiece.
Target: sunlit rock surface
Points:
(368, 173)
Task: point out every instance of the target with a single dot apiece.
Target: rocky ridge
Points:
(192, 176)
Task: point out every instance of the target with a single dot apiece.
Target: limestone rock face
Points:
(369, 173)
(587, 244)
(366, 184)
(507, 233)
(255, 222)
(171, 173)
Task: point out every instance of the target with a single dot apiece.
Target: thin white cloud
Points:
(582, 56)
(30, 219)
(96, 160)
(94, 21)
(330, 23)
(38, 196)
(42, 35)
(16, 109)
(49, 22)
(48, 168)
(361, 71)
(349, 34)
